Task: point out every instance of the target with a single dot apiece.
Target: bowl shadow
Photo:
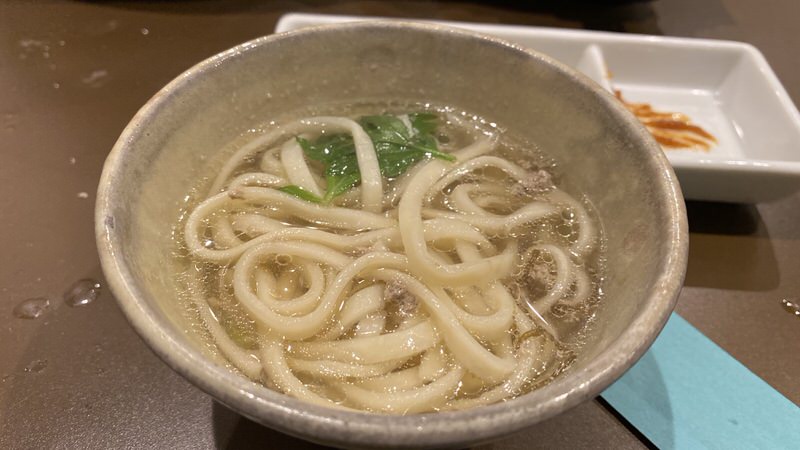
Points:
(234, 431)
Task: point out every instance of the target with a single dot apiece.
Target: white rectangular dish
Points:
(725, 87)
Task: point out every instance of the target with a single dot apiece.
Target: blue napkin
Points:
(688, 393)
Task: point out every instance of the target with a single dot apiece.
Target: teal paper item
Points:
(688, 393)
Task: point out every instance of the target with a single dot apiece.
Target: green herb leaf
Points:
(395, 163)
(396, 148)
(385, 129)
(427, 143)
(301, 193)
(344, 165)
(338, 185)
(423, 123)
(328, 147)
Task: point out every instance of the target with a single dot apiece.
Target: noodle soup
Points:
(392, 258)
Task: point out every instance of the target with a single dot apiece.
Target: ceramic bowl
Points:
(599, 147)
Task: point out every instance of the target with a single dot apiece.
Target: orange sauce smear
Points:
(670, 129)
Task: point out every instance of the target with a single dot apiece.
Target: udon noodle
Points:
(454, 284)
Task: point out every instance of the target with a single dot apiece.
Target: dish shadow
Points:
(236, 432)
(637, 16)
(633, 16)
(729, 248)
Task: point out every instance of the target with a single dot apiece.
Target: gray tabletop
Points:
(73, 73)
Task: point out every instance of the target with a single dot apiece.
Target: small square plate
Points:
(725, 87)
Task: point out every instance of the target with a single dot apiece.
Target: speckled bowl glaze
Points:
(601, 149)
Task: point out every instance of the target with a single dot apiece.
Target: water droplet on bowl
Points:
(144, 31)
(82, 292)
(31, 308)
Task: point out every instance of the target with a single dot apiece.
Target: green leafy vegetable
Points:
(423, 123)
(299, 192)
(395, 163)
(338, 185)
(396, 147)
(385, 129)
(328, 147)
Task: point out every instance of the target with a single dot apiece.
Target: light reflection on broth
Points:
(464, 278)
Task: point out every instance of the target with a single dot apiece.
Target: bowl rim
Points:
(322, 424)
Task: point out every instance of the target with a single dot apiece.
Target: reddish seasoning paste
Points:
(670, 129)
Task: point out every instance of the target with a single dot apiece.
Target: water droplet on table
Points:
(31, 308)
(36, 366)
(96, 79)
(82, 292)
(791, 305)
